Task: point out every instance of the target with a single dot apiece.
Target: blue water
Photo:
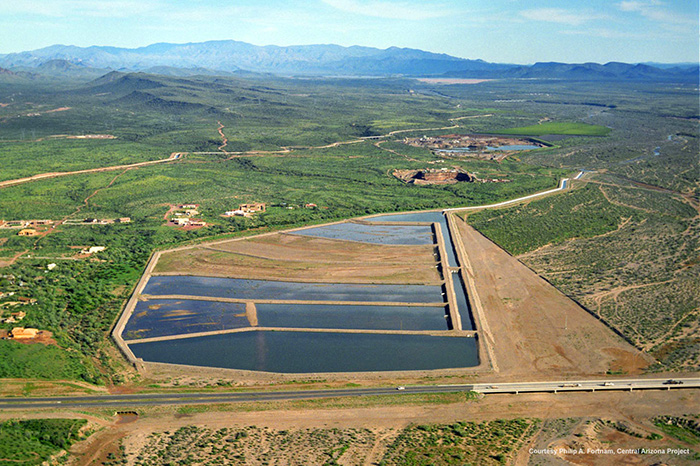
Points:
(351, 317)
(656, 153)
(515, 147)
(458, 150)
(432, 217)
(309, 352)
(267, 289)
(160, 317)
(375, 234)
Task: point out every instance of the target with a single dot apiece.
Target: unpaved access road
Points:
(4, 184)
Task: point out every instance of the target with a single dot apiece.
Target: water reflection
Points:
(351, 317)
(375, 234)
(267, 289)
(308, 352)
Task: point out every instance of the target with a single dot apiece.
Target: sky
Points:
(502, 31)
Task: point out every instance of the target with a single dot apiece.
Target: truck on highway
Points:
(567, 385)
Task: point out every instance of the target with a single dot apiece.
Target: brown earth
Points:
(538, 332)
(433, 176)
(295, 247)
(385, 422)
(288, 257)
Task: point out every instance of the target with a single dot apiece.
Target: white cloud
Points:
(560, 16)
(655, 11)
(385, 9)
(89, 8)
(606, 33)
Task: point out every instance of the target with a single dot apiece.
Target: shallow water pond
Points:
(309, 352)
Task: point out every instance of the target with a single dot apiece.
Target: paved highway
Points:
(588, 385)
(140, 399)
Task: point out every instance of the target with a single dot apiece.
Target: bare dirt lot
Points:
(538, 332)
(289, 257)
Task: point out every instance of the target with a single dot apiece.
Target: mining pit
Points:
(433, 176)
(482, 147)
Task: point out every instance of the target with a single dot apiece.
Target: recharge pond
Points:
(431, 217)
(309, 352)
(351, 317)
(277, 290)
(165, 317)
(375, 234)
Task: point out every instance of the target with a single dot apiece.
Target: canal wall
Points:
(486, 342)
(455, 318)
(128, 311)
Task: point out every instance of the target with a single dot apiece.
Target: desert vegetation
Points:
(280, 136)
(35, 441)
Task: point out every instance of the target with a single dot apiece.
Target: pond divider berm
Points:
(442, 333)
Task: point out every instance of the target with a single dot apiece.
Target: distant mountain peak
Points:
(230, 56)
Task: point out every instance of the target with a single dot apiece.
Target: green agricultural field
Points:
(572, 129)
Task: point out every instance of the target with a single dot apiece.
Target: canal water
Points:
(309, 352)
(268, 289)
(375, 234)
(462, 302)
(351, 317)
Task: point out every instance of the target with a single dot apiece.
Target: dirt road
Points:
(4, 184)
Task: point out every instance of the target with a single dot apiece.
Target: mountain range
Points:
(234, 57)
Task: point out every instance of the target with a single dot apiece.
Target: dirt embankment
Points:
(539, 333)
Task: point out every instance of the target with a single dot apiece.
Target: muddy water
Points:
(306, 352)
(375, 234)
(267, 289)
(351, 317)
(163, 317)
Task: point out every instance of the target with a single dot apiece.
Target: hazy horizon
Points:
(501, 31)
(652, 62)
